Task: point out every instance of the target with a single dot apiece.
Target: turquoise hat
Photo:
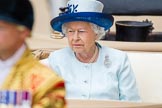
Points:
(83, 10)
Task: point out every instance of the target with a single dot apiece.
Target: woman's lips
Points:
(77, 45)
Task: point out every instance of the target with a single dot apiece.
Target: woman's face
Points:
(80, 36)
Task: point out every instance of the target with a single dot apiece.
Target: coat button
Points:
(85, 81)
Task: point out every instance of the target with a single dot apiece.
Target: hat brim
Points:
(100, 19)
(8, 19)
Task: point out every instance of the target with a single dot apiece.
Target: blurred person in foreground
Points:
(90, 70)
(19, 70)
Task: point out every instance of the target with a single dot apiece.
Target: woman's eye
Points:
(82, 31)
(70, 31)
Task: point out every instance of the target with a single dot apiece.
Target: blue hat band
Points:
(100, 19)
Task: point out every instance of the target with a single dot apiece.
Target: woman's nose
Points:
(76, 35)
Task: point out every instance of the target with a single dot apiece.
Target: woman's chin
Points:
(77, 50)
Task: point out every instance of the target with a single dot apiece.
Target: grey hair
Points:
(100, 31)
(64, 29)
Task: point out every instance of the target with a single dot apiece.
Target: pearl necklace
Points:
(93, 58)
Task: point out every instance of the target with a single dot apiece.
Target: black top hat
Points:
(17, 11)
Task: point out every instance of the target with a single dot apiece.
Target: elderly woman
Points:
(90, 70)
